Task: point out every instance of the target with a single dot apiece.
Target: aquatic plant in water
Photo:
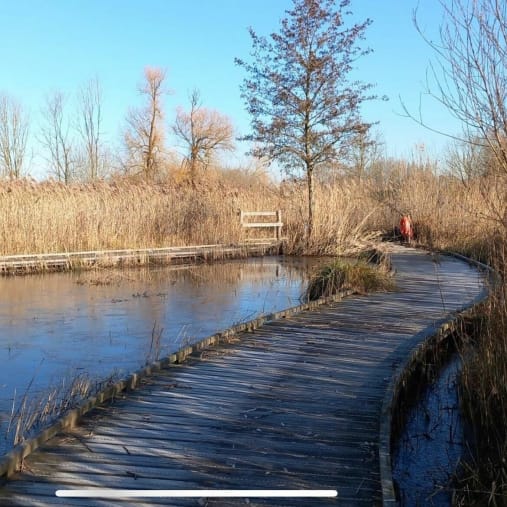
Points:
(360, 276)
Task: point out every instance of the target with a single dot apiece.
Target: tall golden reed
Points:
(51, 217)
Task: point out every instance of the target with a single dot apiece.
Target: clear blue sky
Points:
(59, 45)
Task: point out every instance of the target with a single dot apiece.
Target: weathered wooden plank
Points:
(259, 213)
(262, 224)
(141, 465)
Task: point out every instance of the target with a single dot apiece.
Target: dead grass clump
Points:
(98, 277)
(32, 413)
(377, 257)
(360, 276)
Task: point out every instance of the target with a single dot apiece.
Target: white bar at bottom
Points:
(196, 493)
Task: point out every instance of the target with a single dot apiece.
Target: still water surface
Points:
(431, 444)
(58, 325)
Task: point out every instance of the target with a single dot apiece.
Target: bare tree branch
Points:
(203, 132)
(469, 77)
(89, 125)
(14, 127)
(55, 137)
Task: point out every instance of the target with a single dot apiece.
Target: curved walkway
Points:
(295, 404)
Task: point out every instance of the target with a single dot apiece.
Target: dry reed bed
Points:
(483, 395)
(50, 217)
(448, 214)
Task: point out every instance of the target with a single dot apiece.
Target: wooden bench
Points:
(246, 218)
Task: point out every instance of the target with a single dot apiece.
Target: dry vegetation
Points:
(483, 394)
(128, 213)
(31, 413)
(52, 217)
(359, 276)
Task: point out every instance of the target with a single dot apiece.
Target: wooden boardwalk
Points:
(23, 264)
(295, 404)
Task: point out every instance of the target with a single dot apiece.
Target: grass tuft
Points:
(360, 276)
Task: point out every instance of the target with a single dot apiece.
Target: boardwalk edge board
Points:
(37, 263)
(13, 460)
(422, 342)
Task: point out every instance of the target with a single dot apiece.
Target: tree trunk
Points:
(309, 230)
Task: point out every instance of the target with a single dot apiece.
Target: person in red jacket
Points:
(406, 228)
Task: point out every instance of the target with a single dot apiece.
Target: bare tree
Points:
(89, 125)
(14, 127)
(144, 135)
(56, 138)
(303, 107)
(469, 78)
(203, 132)
(467, 161)
(365, 153)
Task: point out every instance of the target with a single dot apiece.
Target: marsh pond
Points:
(108, 323)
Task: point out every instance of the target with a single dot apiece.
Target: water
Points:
(431, 445)
(57, 326)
